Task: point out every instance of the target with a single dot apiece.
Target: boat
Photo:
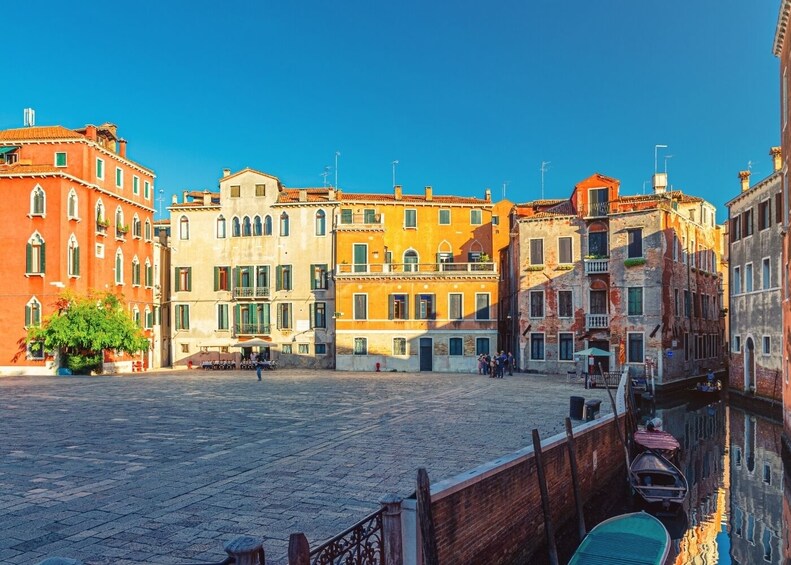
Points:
(634, 539)
(657, 441)
(660, 484)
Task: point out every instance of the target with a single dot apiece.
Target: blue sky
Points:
(465, 95)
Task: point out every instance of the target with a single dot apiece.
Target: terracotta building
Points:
(633, 275)
(417, 280)
(79, 217)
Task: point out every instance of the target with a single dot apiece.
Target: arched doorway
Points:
(749, 364)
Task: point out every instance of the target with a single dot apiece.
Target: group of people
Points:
(496, 365)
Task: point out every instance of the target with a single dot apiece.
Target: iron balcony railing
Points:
(416, 269)
(251, 292)
(596, 266)
(597, 321)
(597, 210)
(254, 328)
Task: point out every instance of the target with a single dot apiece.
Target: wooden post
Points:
(617, 425)
(425, 519)
(298, 550)
(391, 526)
(542, 483)
(245, 551)
(575, 479)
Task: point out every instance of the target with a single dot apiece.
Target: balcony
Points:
(251, 292)
(360, 222)
(597, 210)
(426, 270)
(597, 266)
(597, 321)
(251, 329)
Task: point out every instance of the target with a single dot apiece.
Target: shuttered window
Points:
(536, 251)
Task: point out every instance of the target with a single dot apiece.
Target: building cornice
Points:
(753, 189)
(782, 27)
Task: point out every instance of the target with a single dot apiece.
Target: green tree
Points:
(82, 327)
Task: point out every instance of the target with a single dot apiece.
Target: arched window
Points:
(184, 228)
(119, 267)
(410, 260)
(148, 230)
(246, 229)
(72, 209)
(284, 224)
(136, 316)
(135, 271)
(236, 227)
(321, 223)
(35, 260)
(220, 227)
(268, 225)
(73, 257)
(149, 274)
(149, 319)
(258, 228)
(33, 313)
(120, 228)
(137, 230)
(101, 219)
(37, 202)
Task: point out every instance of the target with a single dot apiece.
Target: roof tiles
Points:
(38, 133)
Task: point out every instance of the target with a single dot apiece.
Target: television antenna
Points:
(394, 172)
(656, 149)
(544, 169)
(29, 116)
(666, 158)
(161, 199)
(505, 186)
(337, 154)
(325, 174)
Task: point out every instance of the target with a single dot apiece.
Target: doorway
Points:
(602, 360)
(426, 353)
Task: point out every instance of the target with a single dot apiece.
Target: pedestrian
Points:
(510, 364)
(480, 364)
(501, 360)
(259, 366)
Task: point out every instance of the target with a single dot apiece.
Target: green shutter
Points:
(313, 277)
(27, 315)
(29, 258)
(279, 312)
(77, 261)
(186, 317)
(176, 280)
(278, 281)
(189, 278)
(216, 278)
(391, 307)
(43, 258)
(312, 314)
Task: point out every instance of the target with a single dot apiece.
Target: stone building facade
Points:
(633, 275)
(756, 245)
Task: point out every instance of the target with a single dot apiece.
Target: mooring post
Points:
(575, 479)
(391, 526)
(245, 551)
(425, 519)
(298, 549)
(542, 483)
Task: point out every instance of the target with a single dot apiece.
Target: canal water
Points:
(734, 513)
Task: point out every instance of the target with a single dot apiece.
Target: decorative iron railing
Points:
(597, 210)
(596, 266)
(251, 292)
(251, 329)
(361, 544)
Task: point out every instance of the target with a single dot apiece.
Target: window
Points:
(536, 251)
(260, 190)
(35, 257)
(482, 346)
(284, 316)
(360, 306)
(536, 303)
(236, 191)
(482, 307)
(675, 247)
(60, 159)
(346, 216)
(476, 217)
(147, 190)
(737, 280)
(268, 225)
(73, 257)
(398, 308)
(37, 202)
(444, 217)
(182, 317)
(303, 348)
(635, 245)
(184, 228)
(149, 318)
(135, 185)
(222, 278)
(369, 216)
(766, 275)
(635, 306)
(222, 317)
(149, 274)
(100, 169)
(455, 346)
(676, 303)
(258, 227)
(137, 227)
(767, 345)
(236, 227)
(748, 277)
(33, 313)
(247, 227)
(410, 261)
(495, 220)
(73, 209)
(135, 271)
(764, 215)
(455, 306)
(321, 348)
(597, 245)
(318, 315)
(737, 343)
(147, 230)
(779, 208)
(634, 346)
(262, 278)
(119, 177)
(565, 308)
(284, 225)
(360, 346)
(564, 250)
(566, 346)
(318, 277)
(182, 279)
(286, 349)
(35, 350)
(747, 223)
(410, 218)
(424, 307)
(220, 227)
(321, 223)
(736, 228)
(537, 346)
(399, 346)
(283, 277)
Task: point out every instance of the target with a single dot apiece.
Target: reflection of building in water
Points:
(756, 489)
(704, 462)
(787, 516)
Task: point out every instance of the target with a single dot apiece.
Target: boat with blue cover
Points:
(633, 539)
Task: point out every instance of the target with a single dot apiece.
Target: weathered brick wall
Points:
(493, 514)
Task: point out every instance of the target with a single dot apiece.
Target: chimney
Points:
(777, 158)
(487, 194)
(226, 173)
(744, 176)
(398, 193)
(90, 132)
(429, 194)
(660, 183)
(303, 195)
(331, 194)
(174, 199)
(185, 193)
(206, 198)
(122, 148)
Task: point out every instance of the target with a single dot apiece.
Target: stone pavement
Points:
(163, 468)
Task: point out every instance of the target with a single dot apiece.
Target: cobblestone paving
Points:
(163, 468)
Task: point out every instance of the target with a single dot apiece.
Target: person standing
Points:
(259, 366)
(510, 363)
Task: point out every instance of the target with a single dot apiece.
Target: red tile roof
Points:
(39, 132)
(289, 195)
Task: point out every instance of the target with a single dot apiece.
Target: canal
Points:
(734, 513)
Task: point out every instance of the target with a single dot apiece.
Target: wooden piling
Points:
(575, 480)
(298, 550)
(425, 519)
(542, 483)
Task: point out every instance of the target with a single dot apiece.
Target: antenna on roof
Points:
(325, 174)
(394, 171)
(30, 117)
(505, 186)
(544, 169)
(160, 200)
(666, 158)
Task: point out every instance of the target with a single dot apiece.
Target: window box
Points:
(634, 261)
(534, 268)
(564, 267)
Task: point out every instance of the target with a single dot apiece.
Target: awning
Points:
(4, 150)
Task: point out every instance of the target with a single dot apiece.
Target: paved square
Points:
(163, 468)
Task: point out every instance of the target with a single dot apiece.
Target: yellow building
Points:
(417, 280)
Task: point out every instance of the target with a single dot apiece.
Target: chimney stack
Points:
(429, 194)
(777, 158)
(226, 173)
(174, 199)
(745, 178)
(206, 198)
(398, 193)
(660, 183)
(487, 194)
(303, 195)
(122, 148)
(90, 132)
(331, 194)
(184, 193)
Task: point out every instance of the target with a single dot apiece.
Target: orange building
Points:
(417, 280)
(79, 217)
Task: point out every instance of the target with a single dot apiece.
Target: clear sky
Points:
(465, 95)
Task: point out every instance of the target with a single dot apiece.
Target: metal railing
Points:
(597, 210)
(412, 269)
(361, 544)
(595, 266)
(252, 329)
(353, 221)
(251, 292)
(597, 321)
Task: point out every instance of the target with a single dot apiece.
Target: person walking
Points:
(510, 364)
(259, 365)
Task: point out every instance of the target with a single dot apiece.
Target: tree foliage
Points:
(84, 326)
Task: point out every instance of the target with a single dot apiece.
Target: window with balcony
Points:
(399, 346)
(635, 301)
(536, 303)
(410, 261)
(35, 257)
(369, 216)
(318, 315)
(566, 346)
(425, 307)
(597, 245)
(346, 216)
(536, 251)
(482, 306)
(634, 343)
(564, 250)
(565, 305)
(222, 276)
(598, 302)
(398, 307)
(455, 346)
(537, 346)
(598, 201)
(635, 242)
(318, 277)
(455, 306)
(262, 280)
(360, 304)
